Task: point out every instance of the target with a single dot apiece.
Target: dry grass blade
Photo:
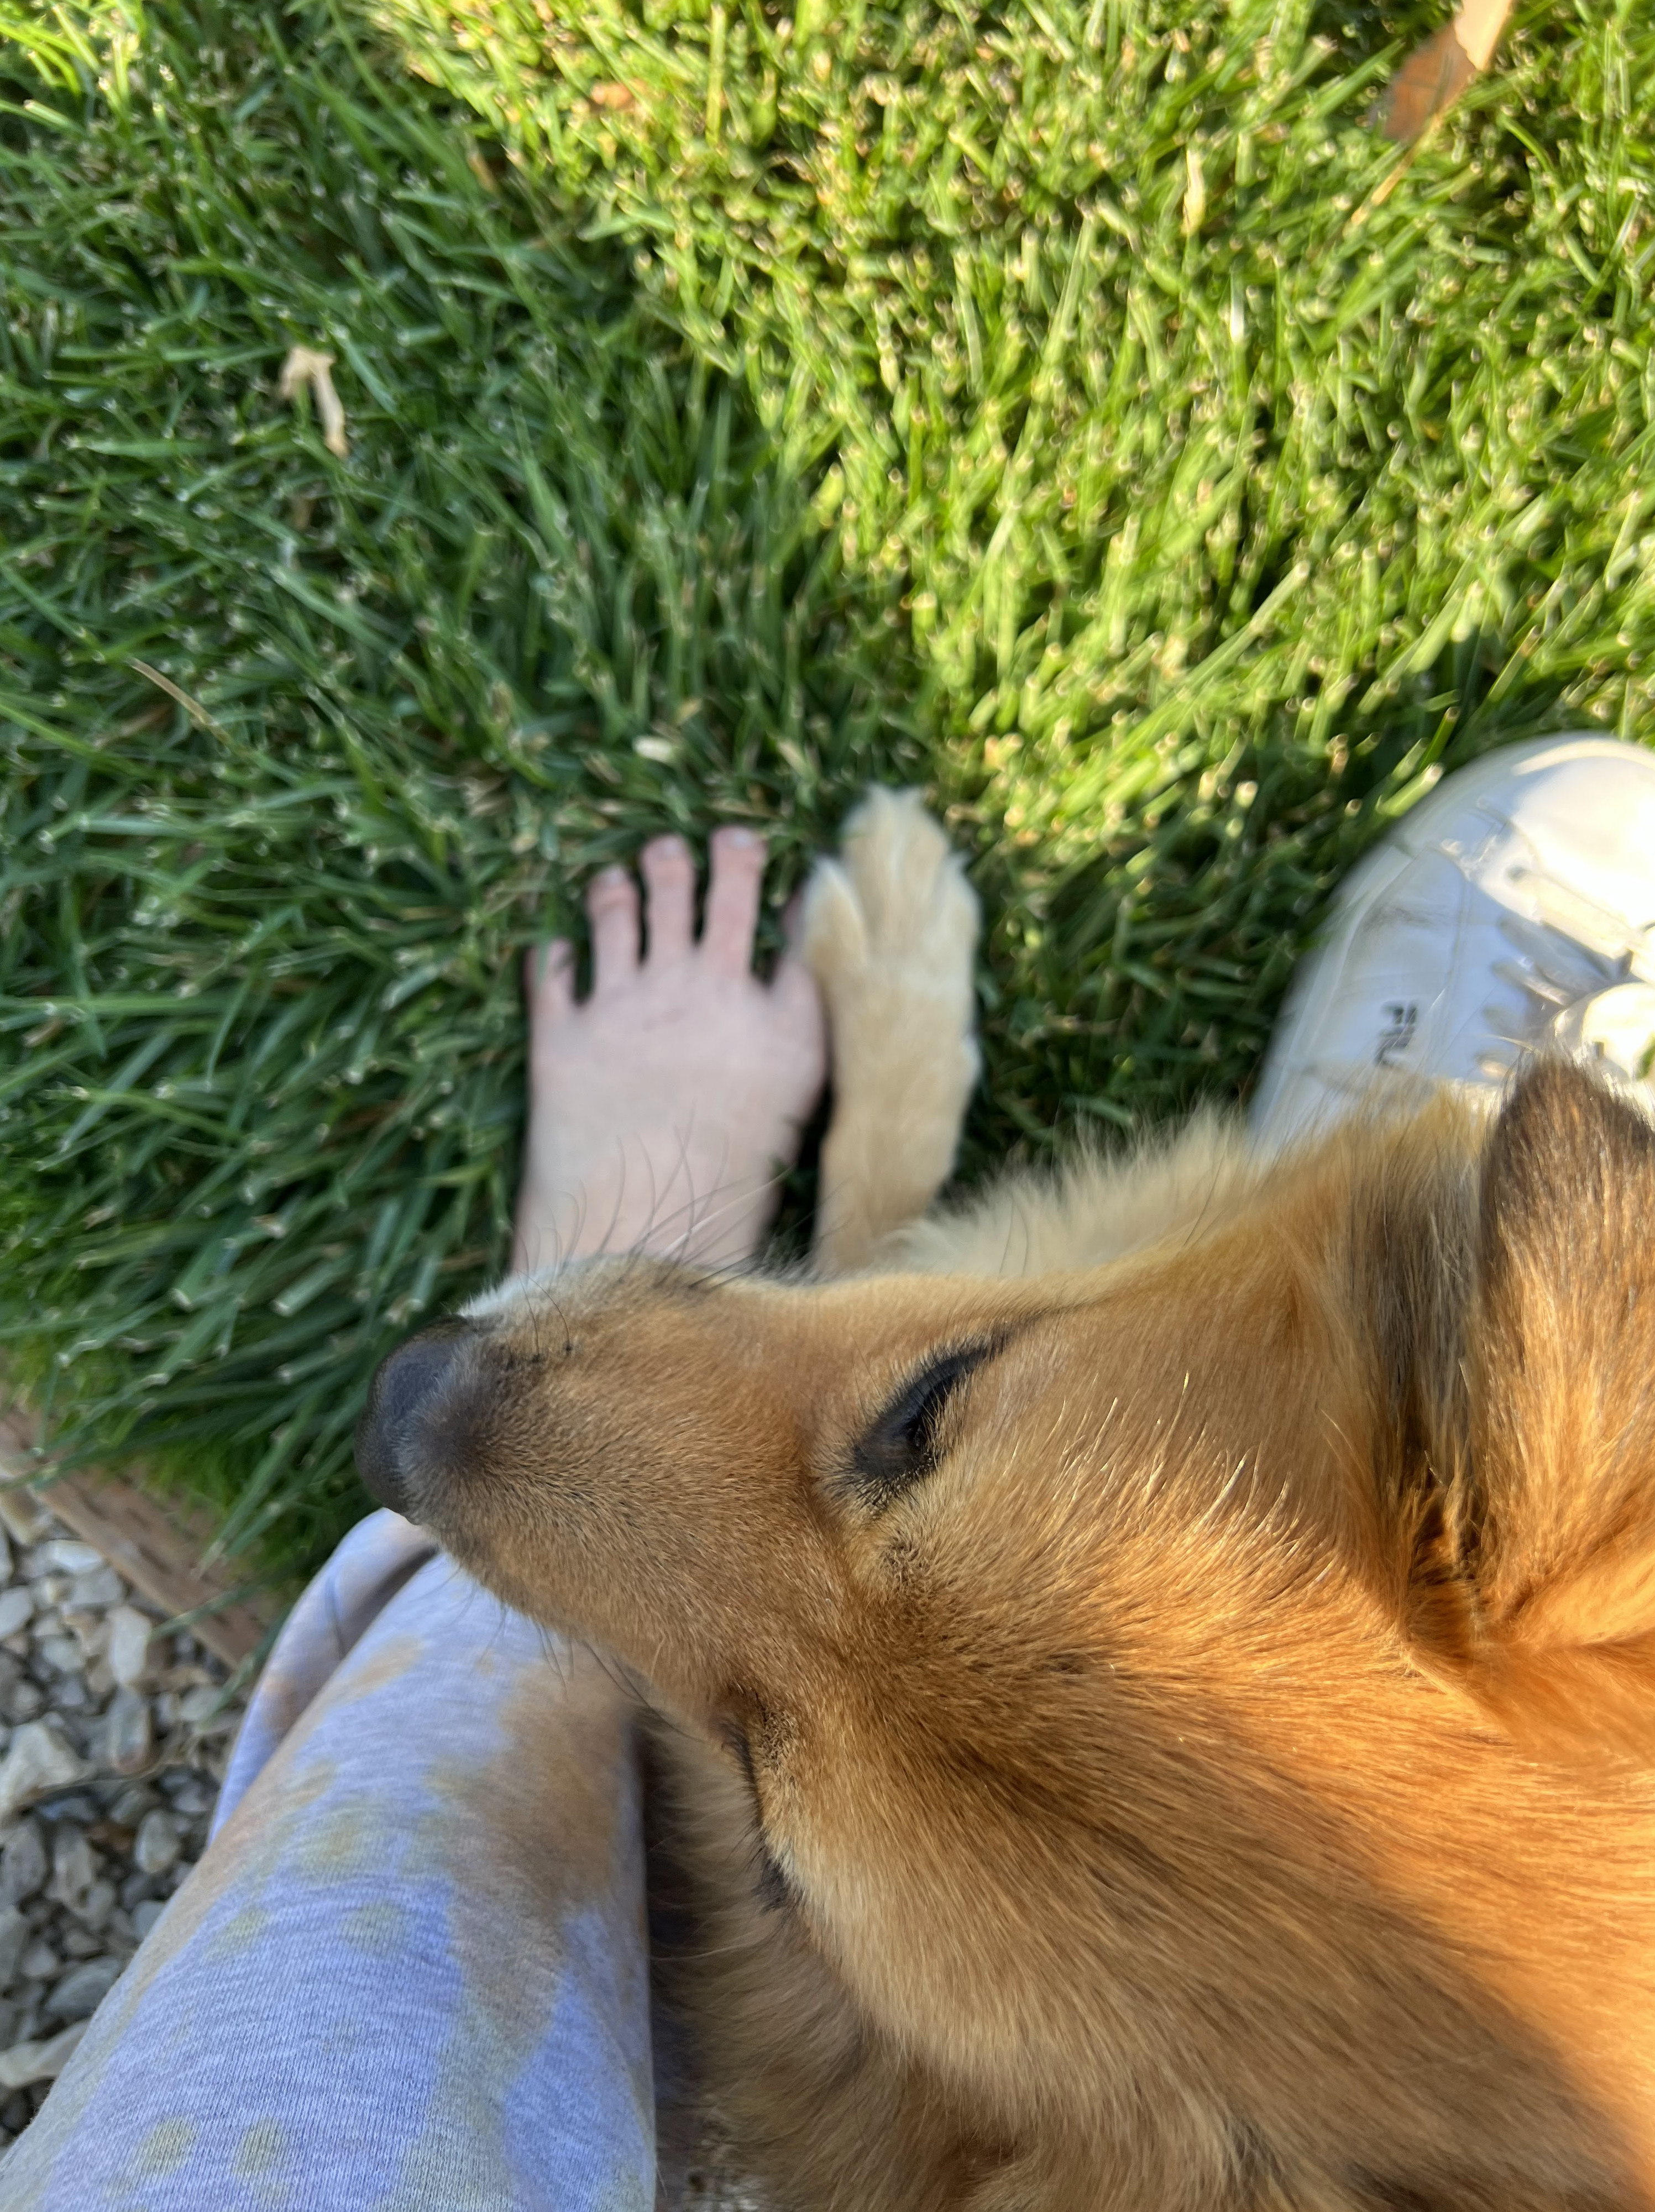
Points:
(305, 366)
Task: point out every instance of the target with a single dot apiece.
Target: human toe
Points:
(669, 877)
(612, 905)
(549, 981)
(737, 872)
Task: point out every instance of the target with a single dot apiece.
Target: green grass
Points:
(1068, 405)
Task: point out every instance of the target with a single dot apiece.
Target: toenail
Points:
(741, 838)
(609, 880)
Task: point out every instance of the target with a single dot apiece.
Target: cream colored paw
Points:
(890, 933)
(893, 912)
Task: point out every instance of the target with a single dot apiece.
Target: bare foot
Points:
(661, 1107)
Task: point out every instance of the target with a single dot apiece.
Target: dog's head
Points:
(1203, 1703)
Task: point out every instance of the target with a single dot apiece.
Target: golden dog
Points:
(1161, 1663)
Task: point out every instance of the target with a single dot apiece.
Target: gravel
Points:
(113, 1735)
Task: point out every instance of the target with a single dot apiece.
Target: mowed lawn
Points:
(1077, 409)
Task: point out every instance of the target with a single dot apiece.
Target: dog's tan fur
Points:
(1221, 1781)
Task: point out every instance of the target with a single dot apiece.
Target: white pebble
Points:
(17, 1608)
(102, 1587)
(203, 1707)
(24, 1865)
(126, 1646)
(128, 1737)
(129, 1807)
(88, 1627)
(155, 1847)
(63, 1555)
(27, 2062)
(79, 1807)
(41, 1759)
(100, 1901)
(39, 1963)
(75, 1866)
(62, 1654)
(144, 1916)
(82, 1990)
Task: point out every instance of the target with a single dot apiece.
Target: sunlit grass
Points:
(1069, 406)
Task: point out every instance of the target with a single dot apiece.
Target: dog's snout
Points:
(404, 1385)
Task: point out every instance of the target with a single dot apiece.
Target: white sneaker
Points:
(1513, 909)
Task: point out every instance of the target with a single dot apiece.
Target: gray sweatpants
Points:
(410, 1973)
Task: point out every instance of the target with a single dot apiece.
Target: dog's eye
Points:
(906, 1442)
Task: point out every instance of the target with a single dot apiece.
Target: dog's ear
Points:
(1555, 1525)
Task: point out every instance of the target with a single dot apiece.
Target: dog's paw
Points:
(893, 914)
(890, 933)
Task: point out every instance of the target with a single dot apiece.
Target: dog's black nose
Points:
(403, 1385)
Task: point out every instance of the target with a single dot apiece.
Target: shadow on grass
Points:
(1299, 515)
(301, 751)
(1180, 931)
(1203, 439)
